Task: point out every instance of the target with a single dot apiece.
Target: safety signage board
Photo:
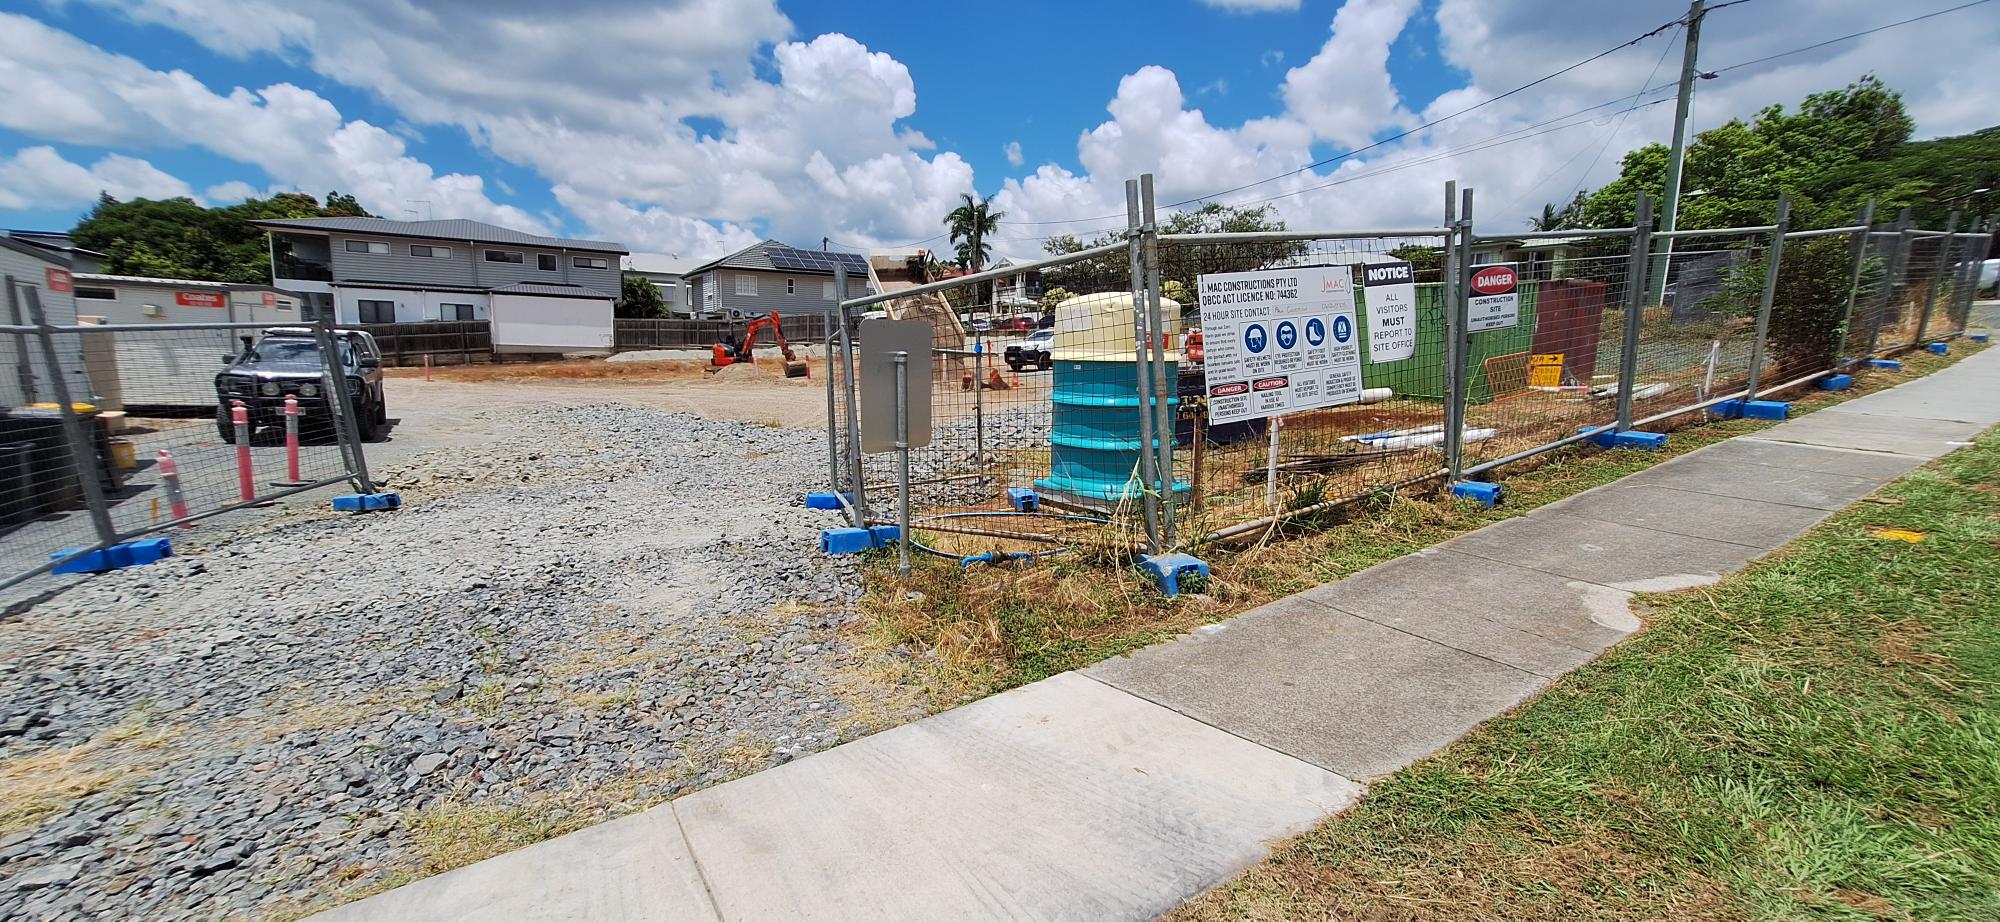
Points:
(60, 280)
(1279, 341)
(1494, 303)
(1390, 291)
(200, 299)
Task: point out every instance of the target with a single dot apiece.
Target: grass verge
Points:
(1817, 736)
(942, 637)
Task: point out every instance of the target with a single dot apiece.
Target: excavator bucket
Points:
(797, 370)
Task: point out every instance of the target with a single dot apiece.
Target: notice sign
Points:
(1494, 304)
(199, 299)
(59, 280)
(1390, 290)
(1279, 342)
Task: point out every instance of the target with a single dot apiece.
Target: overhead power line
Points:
(1853, 35)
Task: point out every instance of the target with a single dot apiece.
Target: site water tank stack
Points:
(1094, 438)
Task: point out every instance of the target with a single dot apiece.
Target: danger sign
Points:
(200, 299)
(59, 280)
(1494, 303)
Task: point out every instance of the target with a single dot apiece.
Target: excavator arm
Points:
(746, 352)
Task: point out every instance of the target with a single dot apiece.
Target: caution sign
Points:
(1390, 291)
(1545, 370)
(1278, 342)
(1494, 304)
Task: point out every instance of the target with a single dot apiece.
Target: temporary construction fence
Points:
(113, 433)
(1333, 366)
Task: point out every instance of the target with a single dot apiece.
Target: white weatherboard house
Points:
(542, 294)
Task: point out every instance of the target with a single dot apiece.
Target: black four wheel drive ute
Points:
(286, 363)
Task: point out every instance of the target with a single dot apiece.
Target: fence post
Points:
(81, 446)
(1164, 391)
(1461, 341)
(1637, 293)
(1937, 278)
(1855, 260)
(853, 422)
(1893, 273)
(1149, 497)
(1773, 262)
(833, 471)
(1454, 428)
(341, 404)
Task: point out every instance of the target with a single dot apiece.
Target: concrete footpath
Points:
(1119, 791)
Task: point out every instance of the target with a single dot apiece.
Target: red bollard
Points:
(292, 478)
(170, 479)
(246, 487)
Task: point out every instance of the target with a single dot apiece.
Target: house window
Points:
(455, 312)
(376, 311)
(590, 262)
(370, 247)
(545, 262)
(428, 252)
(96, 294)
(791, 286)
(826, 289)
(746, 284)
(502, 256)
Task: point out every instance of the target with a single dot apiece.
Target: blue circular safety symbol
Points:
(1315, 331)
(1343, 329)
(1254, 338)
(1288, 335)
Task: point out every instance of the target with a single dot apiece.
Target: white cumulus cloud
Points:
(39, 177)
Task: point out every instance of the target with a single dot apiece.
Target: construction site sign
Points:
(1494, 303)
(1390, 291)
(881, 340)
(1279, 342)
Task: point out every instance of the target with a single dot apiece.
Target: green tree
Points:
(639, 298)
(970, 224)
(177, 238)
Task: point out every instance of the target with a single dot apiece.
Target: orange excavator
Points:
(728, 352)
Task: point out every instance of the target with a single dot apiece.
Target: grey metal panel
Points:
(881, 339)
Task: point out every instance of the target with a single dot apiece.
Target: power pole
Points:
(1670, 203)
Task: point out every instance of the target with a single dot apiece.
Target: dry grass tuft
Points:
(38, 786)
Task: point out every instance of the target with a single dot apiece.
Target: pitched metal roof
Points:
(453, 229)
(552, 291)
(770, 255)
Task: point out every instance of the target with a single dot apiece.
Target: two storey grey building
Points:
(374, 270)
(770, 276)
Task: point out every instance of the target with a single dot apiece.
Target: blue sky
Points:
(692, 126)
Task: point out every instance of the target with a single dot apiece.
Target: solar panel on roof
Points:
(814, 260)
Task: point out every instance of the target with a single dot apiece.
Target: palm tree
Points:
(1551, 219)
(970, 224)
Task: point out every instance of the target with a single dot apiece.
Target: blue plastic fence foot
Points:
(367, 502)
(883, 535)
(845, 540)
(116, 557)
(1488, 494)
(1767, 409)
(1940, 348)
(1600, 436)
(1024, 499)
(1167, 570)
(1890, 364)
(1979, 337)
(1837, 383)
(826, 500)
(1643, 441)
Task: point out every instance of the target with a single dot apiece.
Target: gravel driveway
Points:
(585, 610)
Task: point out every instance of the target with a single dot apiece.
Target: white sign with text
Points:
(1495, 301)
(1279, 342)
(1390, 291)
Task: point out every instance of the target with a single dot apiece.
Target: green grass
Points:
(1817, 736)
(944, 636)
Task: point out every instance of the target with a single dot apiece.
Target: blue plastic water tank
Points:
(1094, 439)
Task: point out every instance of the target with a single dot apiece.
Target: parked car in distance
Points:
(1032, 352)
(982, 325)
(1021, 322)
(285, 362)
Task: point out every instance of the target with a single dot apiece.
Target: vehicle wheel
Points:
(224, 427)
(1015, 364)
(1048, 364)
(370, 426)
(381, 411)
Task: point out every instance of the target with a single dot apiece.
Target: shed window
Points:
(746, 284)
(370, 247)
(430, 252)
(590, 262)
(502, 256)
(545, 262)
(376, 311)
(96, 294)
(455, 312)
